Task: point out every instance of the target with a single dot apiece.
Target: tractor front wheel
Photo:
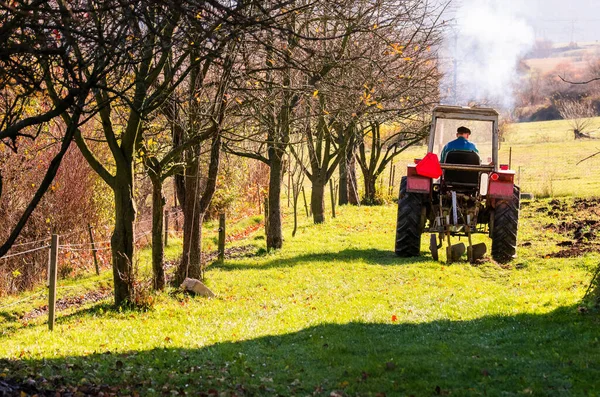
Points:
(409, 224)
(505, 226)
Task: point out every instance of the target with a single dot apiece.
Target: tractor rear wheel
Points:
(505, 226)
(409, 224)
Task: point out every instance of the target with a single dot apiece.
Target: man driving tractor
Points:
(461, 143)
(460, 196)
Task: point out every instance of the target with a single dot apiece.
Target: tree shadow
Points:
(8, 323)
(371, 256)
(12, 321)
(8, 316)
(555, 353)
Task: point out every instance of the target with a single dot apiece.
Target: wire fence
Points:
(26, 253)
(145, 225)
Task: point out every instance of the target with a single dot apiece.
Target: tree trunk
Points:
(317, 203)
(179, 184)
(122, 240)
(191, 259)
(370, 189)
(353, 197)
(197, 201)
(295, 193)
(158, 215)
(274, 233)
(343, 193)
(345, 143)
(178, 138)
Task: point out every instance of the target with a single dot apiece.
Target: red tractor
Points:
(468, 193)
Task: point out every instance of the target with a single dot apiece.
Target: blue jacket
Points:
(459, 144)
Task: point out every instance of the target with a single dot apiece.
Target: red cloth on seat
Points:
(429, 166)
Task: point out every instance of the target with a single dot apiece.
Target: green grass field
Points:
(335, 313)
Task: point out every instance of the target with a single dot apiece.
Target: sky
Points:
(563, 21)
(487, 38)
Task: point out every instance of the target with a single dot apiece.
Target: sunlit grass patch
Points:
(336, 310)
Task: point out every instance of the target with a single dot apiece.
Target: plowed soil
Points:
(577, 222)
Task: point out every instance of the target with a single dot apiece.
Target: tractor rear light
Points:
(500, 190)
(504, 167)
(418, 185)
(501, 185)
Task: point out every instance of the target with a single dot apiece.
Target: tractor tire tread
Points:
(408, 224)
(506, 224)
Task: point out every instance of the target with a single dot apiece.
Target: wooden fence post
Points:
(258, 198)
(221, 238)
(166, 228)
(94, 250)
(53, 272)
(332, 198)
(266, 206)
(289, 184)
(305, 206)
(391, 178)
(176, 213)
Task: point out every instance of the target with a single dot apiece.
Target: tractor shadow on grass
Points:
(371, 256)
(554, 353)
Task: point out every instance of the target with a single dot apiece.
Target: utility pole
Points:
(455, 66)
(572, 31)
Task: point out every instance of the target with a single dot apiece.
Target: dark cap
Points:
(463, 130)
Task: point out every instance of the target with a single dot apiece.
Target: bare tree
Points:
(277, 80)
(161, 164)
(37, 41)
(384, 73)
(578, 112)
(375, 155)
(196, 192)
(297, 182)
(212, 84)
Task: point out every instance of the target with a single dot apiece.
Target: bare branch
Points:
(578, 82)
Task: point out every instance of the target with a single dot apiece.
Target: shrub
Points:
(75, 198)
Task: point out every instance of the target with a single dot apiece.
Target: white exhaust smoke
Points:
(484, 45)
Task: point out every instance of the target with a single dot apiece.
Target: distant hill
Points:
(577, 54)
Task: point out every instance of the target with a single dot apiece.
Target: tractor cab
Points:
(467, 192)
(462, 170)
